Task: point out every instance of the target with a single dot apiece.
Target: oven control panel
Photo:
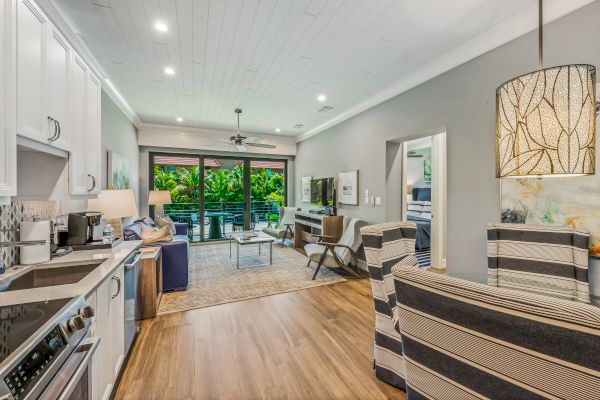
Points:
(24, 375)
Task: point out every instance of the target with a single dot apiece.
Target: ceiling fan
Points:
(241, 143)
(414, 154)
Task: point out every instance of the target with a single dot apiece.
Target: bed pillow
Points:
(154, 235)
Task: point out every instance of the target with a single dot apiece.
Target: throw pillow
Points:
(165, 221)
(154, 235)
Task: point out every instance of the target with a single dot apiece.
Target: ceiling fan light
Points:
(546, 123)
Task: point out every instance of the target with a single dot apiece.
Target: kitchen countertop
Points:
(111, 259)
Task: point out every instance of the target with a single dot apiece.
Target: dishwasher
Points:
(133, 302)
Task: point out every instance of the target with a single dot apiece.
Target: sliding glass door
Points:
(268, 192)
(226, 194)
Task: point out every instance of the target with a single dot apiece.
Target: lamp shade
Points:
(546, 124)
(114, 204)
(159, 197)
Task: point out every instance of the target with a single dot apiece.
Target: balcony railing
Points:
(228, 215)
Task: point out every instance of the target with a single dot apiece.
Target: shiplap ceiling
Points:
(271, 57)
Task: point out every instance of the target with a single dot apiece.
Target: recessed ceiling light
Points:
(321, 98)
(169, 71)
(161, 26)
(179, 119)
(277, 130)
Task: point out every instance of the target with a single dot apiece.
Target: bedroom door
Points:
(424, 195)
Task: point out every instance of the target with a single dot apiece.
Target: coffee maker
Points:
(81, 227)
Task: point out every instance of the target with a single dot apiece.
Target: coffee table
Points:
(257, 238)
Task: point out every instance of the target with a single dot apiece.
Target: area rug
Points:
(214, 278)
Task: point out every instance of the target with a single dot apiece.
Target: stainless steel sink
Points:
(53, 276)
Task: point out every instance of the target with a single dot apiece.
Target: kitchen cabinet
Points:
(8, 144)
(108, 359)
(57, 103)
(31, 25)
(85, 139)
(93, 134)
(57, 97)
(43, 64)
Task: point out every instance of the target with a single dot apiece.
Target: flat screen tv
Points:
(322, 192)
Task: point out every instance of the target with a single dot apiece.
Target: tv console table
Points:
(308, 224)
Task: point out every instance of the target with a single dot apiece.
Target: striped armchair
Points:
(387, 245)
(543, 259)
(464, 340)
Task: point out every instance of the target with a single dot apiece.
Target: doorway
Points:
(217, 195)
(416, 191)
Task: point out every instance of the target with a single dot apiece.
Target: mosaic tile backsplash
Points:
(18, 211)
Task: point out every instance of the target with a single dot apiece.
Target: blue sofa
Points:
(175, 259)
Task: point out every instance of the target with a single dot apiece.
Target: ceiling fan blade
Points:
(252, 139)
(264, 145)
(224, 140)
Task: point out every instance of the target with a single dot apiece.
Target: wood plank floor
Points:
(310, 344)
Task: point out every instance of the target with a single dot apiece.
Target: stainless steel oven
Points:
(46, 350)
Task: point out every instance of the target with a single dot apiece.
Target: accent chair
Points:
(465, 340)
(543, 259)
(287, 218)
(387, 245)
(338, 254)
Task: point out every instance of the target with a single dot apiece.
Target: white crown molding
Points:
(506, 31)
(69, 31)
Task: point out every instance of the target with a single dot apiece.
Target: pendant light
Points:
(545, 121)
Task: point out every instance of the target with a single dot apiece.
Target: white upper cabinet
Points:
(31, 26)
(85, 130)
(43, 67)
(8, 144)
(93, 133)
(78, 179)
(57, 99)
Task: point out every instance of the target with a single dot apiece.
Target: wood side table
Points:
(150, 281)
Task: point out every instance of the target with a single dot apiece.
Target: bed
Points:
(419, 211)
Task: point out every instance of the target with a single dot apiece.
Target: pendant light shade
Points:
(545, 123)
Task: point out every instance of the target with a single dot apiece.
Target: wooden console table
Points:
(308, 224)
(150, 281)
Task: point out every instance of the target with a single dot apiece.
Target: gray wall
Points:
(120, 135)
(463, 101)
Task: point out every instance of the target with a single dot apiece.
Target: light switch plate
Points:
(377, 201)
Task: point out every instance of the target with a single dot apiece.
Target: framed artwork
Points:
(348, 187)
(306, 188)
(119, 171)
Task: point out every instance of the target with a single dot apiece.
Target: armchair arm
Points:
(332, 246)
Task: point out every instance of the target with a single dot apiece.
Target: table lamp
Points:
(159, 198)
(114, 206)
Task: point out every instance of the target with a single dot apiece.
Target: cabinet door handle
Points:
(58, 134)
(54, 135)
(116, 278)
(93, 182)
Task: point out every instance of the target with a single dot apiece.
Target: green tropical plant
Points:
(220, 185)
